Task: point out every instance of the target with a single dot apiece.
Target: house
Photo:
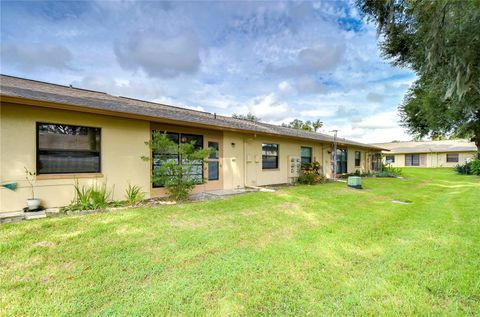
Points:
(445, 153)
(69, 135)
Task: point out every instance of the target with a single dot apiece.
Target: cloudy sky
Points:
(278, 60)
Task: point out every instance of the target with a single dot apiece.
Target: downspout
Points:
(245, 162)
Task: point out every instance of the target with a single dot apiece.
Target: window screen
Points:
(452, 158)
(412, 160)
(306, 155)
(358, 158)
(65, 148)
(389, 159)
(342, 161)
(213, 163)
(269, 156)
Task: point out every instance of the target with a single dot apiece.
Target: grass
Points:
(318, 250)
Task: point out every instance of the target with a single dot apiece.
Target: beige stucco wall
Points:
(246, 169)
(432, 159)
(121, 148)
(122, 145)
(351, 167)
(233, 160)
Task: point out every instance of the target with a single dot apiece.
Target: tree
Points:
(425, 111)
(307, 125)
(317, 124)
(440, 41)
(249, 117)
(177, 163)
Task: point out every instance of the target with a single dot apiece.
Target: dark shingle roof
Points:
(48, 92)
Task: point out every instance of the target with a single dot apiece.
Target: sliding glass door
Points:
(342, 160)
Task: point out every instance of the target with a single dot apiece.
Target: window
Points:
(306, 155)
(342, 161)
(197, 169)
(412, 160)
(452, 158)
(65, 148)
(269, 156)
(213, 164)
(358, 158)
(389, 159)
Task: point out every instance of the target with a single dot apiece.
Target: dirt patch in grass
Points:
(283, 233)
(289, 206)
(182, 223)
(44, 244)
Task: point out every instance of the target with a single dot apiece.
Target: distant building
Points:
(445, 153)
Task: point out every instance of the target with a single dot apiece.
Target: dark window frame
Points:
(358, 161)
(215, 159)
(37, 149)
(387, 159)
(310, 158)
(270, 156)
(179, 138)
(342, 161)
(410, 161)
(456, 158)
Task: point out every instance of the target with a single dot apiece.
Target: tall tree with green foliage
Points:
(301, 125)
(440, 41)
(249, 117)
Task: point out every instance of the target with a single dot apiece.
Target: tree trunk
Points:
(477, 143)
(476, 139)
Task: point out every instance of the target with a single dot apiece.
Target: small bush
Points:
(386, 174)
(99, 196)
(89, 198)
(469, 168)
(309, 179)
(134, 194)
(311, 174)
(389, 171)
(475, 167)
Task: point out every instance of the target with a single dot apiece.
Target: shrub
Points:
(134, 194)
(311, 174)
(463, 168)
(386, 174)
(469, 168)
(389, 171)
(89, 198)
(99, 196)
(475, 167)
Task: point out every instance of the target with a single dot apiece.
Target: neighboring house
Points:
(67, 134)
(445, 153)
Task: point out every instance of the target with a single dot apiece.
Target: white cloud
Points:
(158, 56)
(324, 56)
(215, 58)
(284, 86)
(32, 56)
(269, 108)
(309, 85)
(383, 120)
(374, 97)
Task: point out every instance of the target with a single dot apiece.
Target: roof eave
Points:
(89, 109)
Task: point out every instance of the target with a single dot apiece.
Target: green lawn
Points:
(318, 250)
